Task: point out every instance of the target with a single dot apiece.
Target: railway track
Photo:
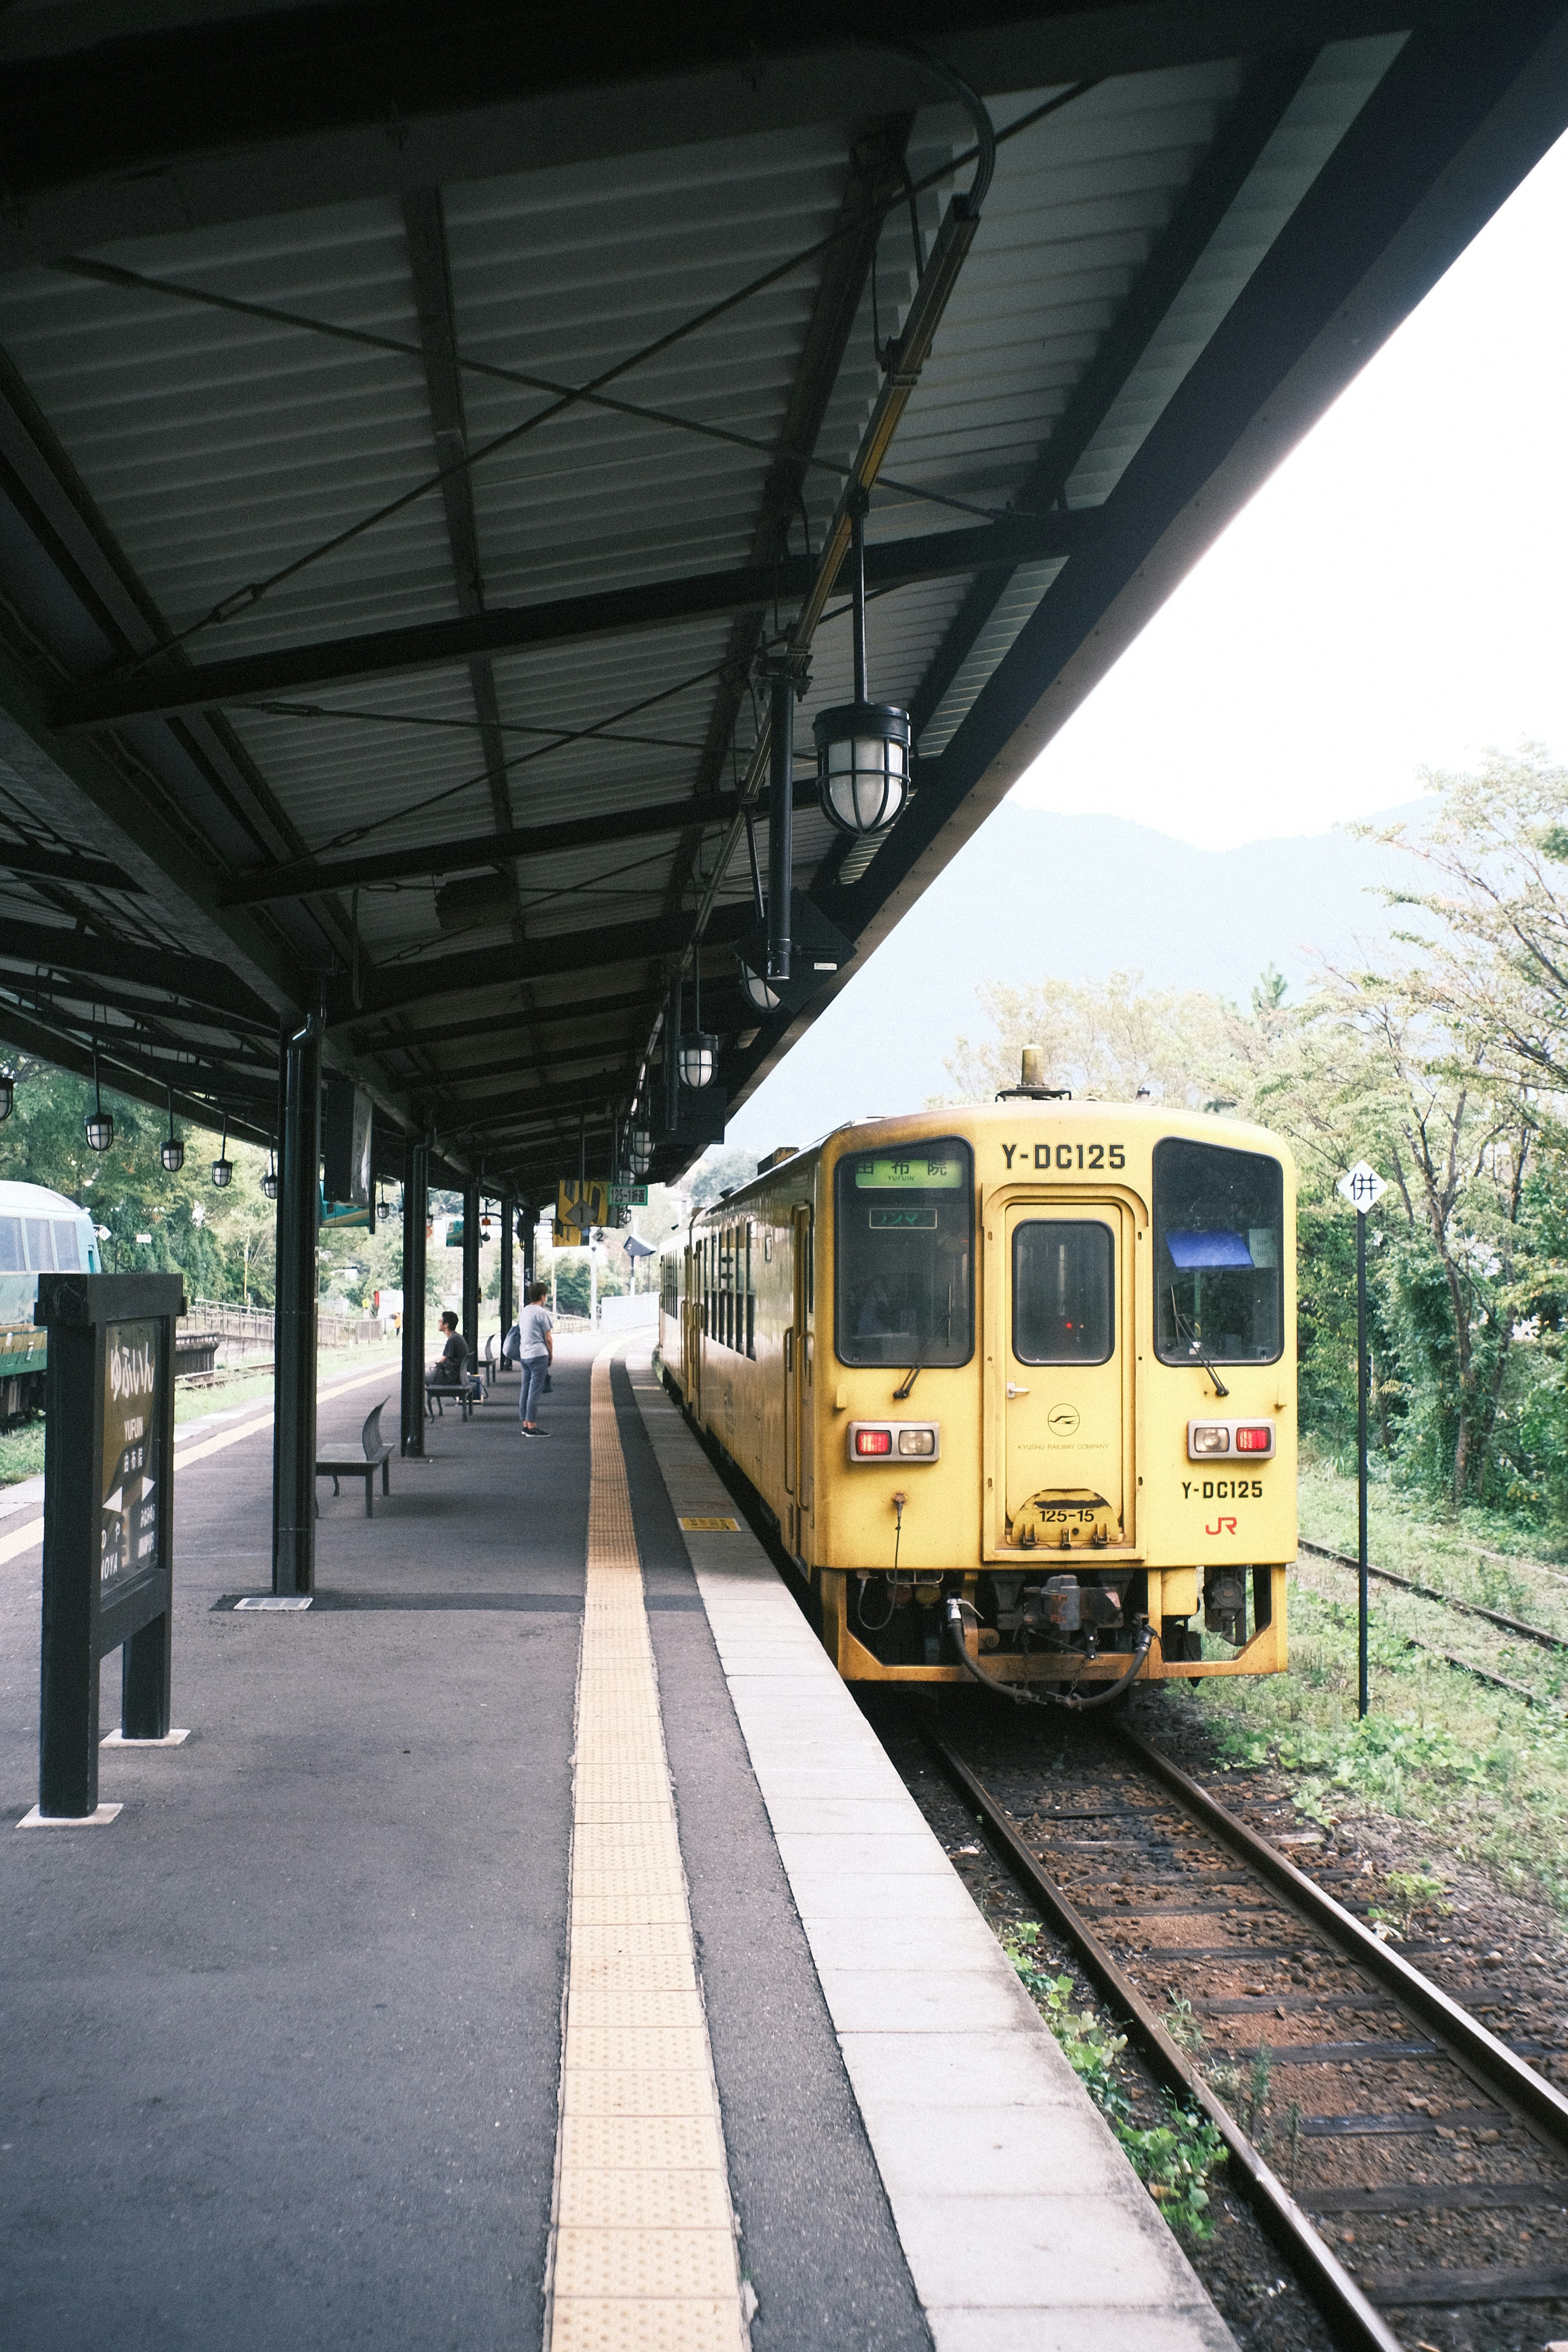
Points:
(1515, 1629)
(1376, 2126)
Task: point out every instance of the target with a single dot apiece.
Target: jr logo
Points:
(1221, 1527)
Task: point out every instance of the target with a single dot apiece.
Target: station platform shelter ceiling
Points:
(418, 428)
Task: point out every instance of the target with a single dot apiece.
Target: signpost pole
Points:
(1362, 1187)
(1362, 1702)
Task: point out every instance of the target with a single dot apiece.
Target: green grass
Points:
(22, 1450)
(1174, 2157)
(1478, 1775)
(1473, 1555)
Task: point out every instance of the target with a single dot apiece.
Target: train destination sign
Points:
(109, 1468)
(919, 1173)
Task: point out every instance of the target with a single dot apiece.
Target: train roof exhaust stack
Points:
(1031, 1085)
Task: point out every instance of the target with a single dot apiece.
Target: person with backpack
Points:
(535, 1352)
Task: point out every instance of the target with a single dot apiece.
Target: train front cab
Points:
(1086, 1472)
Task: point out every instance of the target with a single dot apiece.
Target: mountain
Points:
(1034, 895)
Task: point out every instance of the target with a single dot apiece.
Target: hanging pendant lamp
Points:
(223, 1166)
(862, 746)
(7, 1093)
(172, 1151)
(699, 1051)
(98, 1124)
(269, 1181)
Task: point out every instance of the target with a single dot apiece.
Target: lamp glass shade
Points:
(7, 1095)
(98, 1127)
(699, 1059)
(640, 1162)
(639, 1142)
(173, 1154)
(862, 765)
(269, 1185)
(755, 989)
(223, 1170)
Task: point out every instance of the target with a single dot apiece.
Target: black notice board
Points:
(109, 1469)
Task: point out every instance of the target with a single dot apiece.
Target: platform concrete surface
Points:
(1025, 2228)
(282, 2048)
(282, 2044)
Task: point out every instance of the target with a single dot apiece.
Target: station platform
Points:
(530, 1946)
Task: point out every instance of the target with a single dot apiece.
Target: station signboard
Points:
(109, 1474)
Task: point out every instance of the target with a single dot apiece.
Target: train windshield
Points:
(1063, 1279)
(904, 1249)
(1218, 1255)
(11, 1258)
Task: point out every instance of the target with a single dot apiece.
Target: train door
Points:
(798, 1369)
(1062, 1276)
(692, 1334)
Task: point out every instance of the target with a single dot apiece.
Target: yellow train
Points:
(1017, 1384)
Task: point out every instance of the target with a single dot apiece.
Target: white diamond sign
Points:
(1362, 1187)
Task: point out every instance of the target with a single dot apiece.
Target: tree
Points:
(1112, 1039)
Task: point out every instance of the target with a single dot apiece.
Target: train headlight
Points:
(1207, 1437)
(917, 1441)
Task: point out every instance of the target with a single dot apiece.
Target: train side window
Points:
(40, 1244)
(750, 1294)
(903, 1255)
(1219, 1274)
(1064, 1283)
(11, 1258)
(68, 1257)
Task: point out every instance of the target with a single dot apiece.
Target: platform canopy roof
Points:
(418, 424)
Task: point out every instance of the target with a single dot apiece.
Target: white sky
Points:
(1392, 599)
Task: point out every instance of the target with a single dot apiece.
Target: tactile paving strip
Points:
(642, 2242)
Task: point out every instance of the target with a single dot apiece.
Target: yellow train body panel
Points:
(1097, 1304)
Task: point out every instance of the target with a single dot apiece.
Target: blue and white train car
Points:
(40, 1232)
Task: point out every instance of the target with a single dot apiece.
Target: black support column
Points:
(508, 1287)
(294, 1327)
(416, 1167)
(471, 1270)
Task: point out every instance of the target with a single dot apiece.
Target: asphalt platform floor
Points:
(281, 2045)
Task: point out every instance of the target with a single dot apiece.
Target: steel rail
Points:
(1528, 2094)
(1514, 1625)
(1354, 2322)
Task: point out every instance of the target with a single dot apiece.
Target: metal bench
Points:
(439, 1394)
(377, 1454)
(496, 1364)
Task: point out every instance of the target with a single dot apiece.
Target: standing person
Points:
(536, 1353)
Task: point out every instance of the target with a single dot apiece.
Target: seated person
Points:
(451, 1371)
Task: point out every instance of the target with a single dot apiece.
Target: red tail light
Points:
(873, 1440)
(1258, 1439)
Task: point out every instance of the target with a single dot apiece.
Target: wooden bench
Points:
(376, 1455)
